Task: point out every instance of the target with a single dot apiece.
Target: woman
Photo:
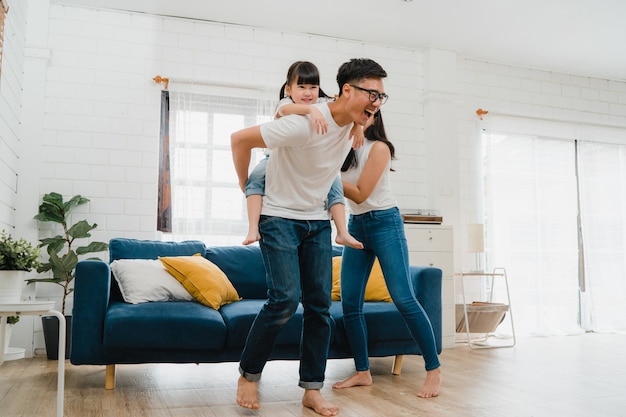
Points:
(376, 222)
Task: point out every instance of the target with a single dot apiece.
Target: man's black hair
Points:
(358, 69)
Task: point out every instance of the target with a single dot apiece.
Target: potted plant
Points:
(17, 256)
(63, 252)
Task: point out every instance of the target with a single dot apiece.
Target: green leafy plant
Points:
(13, 319)
(60, 248)
(17, 254)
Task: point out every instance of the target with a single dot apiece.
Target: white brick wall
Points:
(10, 98)
(102, 107)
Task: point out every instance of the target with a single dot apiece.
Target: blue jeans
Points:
(256, 185)
(298, 263)
(382, 234)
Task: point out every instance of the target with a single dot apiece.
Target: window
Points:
(207, 203)
(554, 218)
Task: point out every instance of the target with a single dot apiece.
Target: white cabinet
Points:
(432, 245)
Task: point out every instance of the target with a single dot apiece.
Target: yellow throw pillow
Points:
(375, 290)
(204, 280)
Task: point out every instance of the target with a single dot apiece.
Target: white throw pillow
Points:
(144, 280)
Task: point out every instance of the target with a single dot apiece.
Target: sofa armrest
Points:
(92, 287)
(427, 282)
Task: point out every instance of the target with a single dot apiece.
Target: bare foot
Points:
(361, 378)
(348, 240)
(431, 385)
(251, 238)
(313, 399)
(248, 394)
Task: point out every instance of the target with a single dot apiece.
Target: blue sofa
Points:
(108, 331)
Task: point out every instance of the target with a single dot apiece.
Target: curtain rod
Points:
(166, 80)
(481, 113)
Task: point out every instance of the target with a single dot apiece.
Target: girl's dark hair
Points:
(376, 131)
(302, 72)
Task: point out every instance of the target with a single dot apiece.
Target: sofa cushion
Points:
(239, 317)
(145, 280)
(163, 325)
(202, 278)
(375, 290)
(123, 248)
(243, 265)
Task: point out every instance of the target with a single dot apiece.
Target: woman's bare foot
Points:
(248, 394)
(431, 385)
(361, 378)
(253, 236)
(313, 399)
(347, 240)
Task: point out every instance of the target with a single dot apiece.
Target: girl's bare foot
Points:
(248, 394)
(348, 240)
(251, 238)
(361, 378)
(313, 399)
(431, 385)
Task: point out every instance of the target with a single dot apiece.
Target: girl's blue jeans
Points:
(382, 234)
(298, 263)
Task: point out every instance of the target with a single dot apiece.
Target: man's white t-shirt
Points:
(303, 165)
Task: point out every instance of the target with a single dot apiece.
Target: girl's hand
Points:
(358, 138)
(319, 123)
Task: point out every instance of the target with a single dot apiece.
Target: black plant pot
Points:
(51, 336)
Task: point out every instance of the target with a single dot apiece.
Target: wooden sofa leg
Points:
(397, 365)
(109, 378)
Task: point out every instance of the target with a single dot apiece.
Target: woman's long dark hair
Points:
(376, 131)
(302, 72)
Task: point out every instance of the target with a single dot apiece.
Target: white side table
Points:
(38, 308)
(487, 308)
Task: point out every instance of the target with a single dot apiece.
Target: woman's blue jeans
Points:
(382, 234)
(298, 263)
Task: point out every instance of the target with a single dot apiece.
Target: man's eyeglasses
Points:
(374, 95)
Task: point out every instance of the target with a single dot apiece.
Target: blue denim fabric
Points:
(298, 261)
(335, 194)
(256, 179)
(382, 234)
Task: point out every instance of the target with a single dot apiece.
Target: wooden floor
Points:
(573, 376)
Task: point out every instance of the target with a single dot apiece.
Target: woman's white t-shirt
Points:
(382, 197)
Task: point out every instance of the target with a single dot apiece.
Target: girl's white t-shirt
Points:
(382, 196)
(303, 165)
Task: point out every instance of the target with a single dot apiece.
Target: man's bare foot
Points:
(251, 238)
(248, 394)
(361, 378)
(313, 399)
(431, 385)
(348, 240)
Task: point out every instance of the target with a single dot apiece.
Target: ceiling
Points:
(581, 37)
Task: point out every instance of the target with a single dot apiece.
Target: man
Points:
(295, 227)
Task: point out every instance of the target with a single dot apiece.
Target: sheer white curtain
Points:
(534, 187)
(603, 206)
(531, 228)
(207, 203)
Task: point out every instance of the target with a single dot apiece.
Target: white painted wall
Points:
(95, 109)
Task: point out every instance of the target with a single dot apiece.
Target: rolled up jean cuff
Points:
(310, 385)
(249, 377)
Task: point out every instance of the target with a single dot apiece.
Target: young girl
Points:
(299, 91)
